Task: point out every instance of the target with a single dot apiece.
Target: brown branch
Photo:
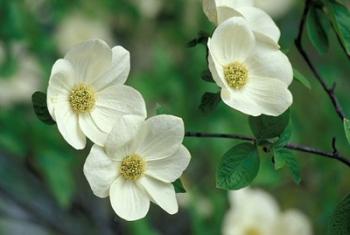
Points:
(298, 43)
(296, 147)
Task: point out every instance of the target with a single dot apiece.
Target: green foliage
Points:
(238, 167)
(283, 157)
(301, 78)
(267, 127)
(178, 186)
(57, 171)
(206, 76)
(347, 129)
(283, 138)
(339, 223)
(209, 101)
(141, 227)
(201, 39)
(339, 17)
(40, 108)
(317, 29)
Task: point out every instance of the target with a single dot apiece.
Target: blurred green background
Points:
(42, 186)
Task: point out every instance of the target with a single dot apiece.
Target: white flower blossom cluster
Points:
(134, 160)
(255, 212)
(245, 60)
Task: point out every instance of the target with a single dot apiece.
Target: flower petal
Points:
(60, 83)
(217, 71)
(261, 23)
(90, 59)
(119, 70)
(209, 9)
(100, 171)
(232, 41)
(293, 222)
(115, 101)
(163, 194)
(128, 200)
(269, 62)
(67, 123)
(271, 95)
(160, 137)
(91, 130)
(119, 141)
(171, 168)
(240, 101)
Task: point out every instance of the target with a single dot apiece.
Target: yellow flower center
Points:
(82, 98)
(236, 75)
(252, 231)
(132, 167)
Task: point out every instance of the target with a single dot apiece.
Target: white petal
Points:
(261, 23)
(232, 41)
(163, 194)
(216, 71)
(115, 101)
(90, 59)
(226, 12)
(235, 3)
(293, 222)
(100, 171)
(67, 123)
(128, 200)
(60, 83)
(271, 95)
(118, 72)
(209, 9)
(171, 168)
(268, 62)
(119, 141)
(91, 130)
(160, 137)
(240, 100)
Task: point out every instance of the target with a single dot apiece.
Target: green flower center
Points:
(132, 167)
(252, 231)
(236, 75)
(82, 98)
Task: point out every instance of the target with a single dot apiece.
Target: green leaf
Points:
(301, 78)
(283, 138)
(201, 39)
(347, 128)
(339, 223)
(206, 76)
(178, 186)
(317, 29)
(209, 102)
(238, 167)
(267, 127)
(58, 173)
(339, 16)
(285, 157)
(40, 108)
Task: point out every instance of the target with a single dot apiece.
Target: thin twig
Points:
(296, 147)
(298, 42)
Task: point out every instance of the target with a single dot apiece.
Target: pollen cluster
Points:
(132, 167)
(252, 231)
(82, 98)
(236, 75)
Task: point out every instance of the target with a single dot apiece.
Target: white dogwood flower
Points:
(77, 27)
(253, 77)
(260, 22)
(86, 92)
(18, 86)
(255, 212)
(138, 164)
(274, 8)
